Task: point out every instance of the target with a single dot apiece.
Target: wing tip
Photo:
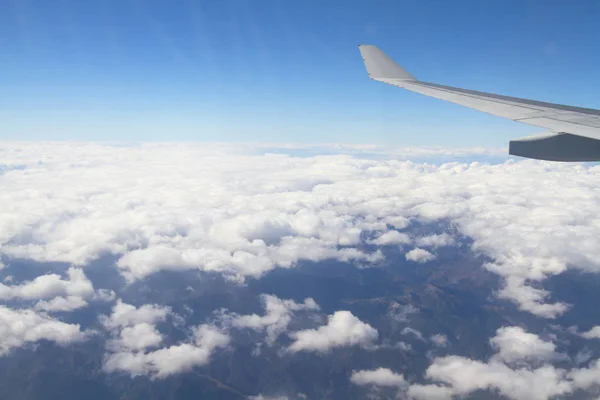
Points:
(380, 66)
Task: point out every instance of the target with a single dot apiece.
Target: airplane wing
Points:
(574, 132)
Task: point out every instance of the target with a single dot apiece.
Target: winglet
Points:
(380, 66)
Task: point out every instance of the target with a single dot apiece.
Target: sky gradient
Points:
(284, 71)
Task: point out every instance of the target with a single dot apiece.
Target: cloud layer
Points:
(225, 209)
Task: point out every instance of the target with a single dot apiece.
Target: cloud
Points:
(411, 331)
(126, 315)
(278, 315)
(439, 340)
(342, 329)
(466, 376)
(170, 360)
(250, 212)
(137, 337)
(392, 237)
(440, 240)
(18, 327)
(55, 293)
(51, 285)
(586, 378)
(68, 303)
(513, 344)
(134, 332)
(419, 255)
(429, 392)
(531, 299)
(593, 333)
(378, 377)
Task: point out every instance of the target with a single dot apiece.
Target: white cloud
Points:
(419, 255)
(392, 237)
(440, 240)
(247, 214)
(378, 377)
(514, 344)
(593, 333)
(137, 337)
(278, 315)
(342, 329)
(170, 360)
(18, 327)
(466, 376)
(439, 340)
(68, 303)
(51, 285)
(586, 378)
(55, 293)
(429, 392)
(411, 331)
(531, 299)
(134, 333)
(124, 315)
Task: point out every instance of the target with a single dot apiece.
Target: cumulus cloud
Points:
(513, 344)
(124, 315)
(18, 327)
(55, 293)
(137, 337)
(51, 285)
(440, 240)
(68, 303)
(429, 392)
(278, 315)
(419, 255)
(342, 329)
(392, 237)
(378, 377)
(593, 333)
(466, 376)
(169, 360)
(135, 333)
(531, 219)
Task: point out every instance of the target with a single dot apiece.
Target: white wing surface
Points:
(574, 132)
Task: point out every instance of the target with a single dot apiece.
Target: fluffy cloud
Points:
(419, 255)
(392, 237)
(513, 344)
(378, 377)
(134, 333)
(137, 337)
(18, 327)
(247, 214)
(342, 329)
(51, 285)
(593, 333)
(124, 315)
(56, 293)
(440, 240)
(509, 371)
(466, 376)
(278, 314)
(68, 303)
(169, 360)
(429, 392)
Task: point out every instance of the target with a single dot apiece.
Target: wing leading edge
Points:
(574, 132)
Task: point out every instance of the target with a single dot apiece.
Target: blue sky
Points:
(284, 71)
